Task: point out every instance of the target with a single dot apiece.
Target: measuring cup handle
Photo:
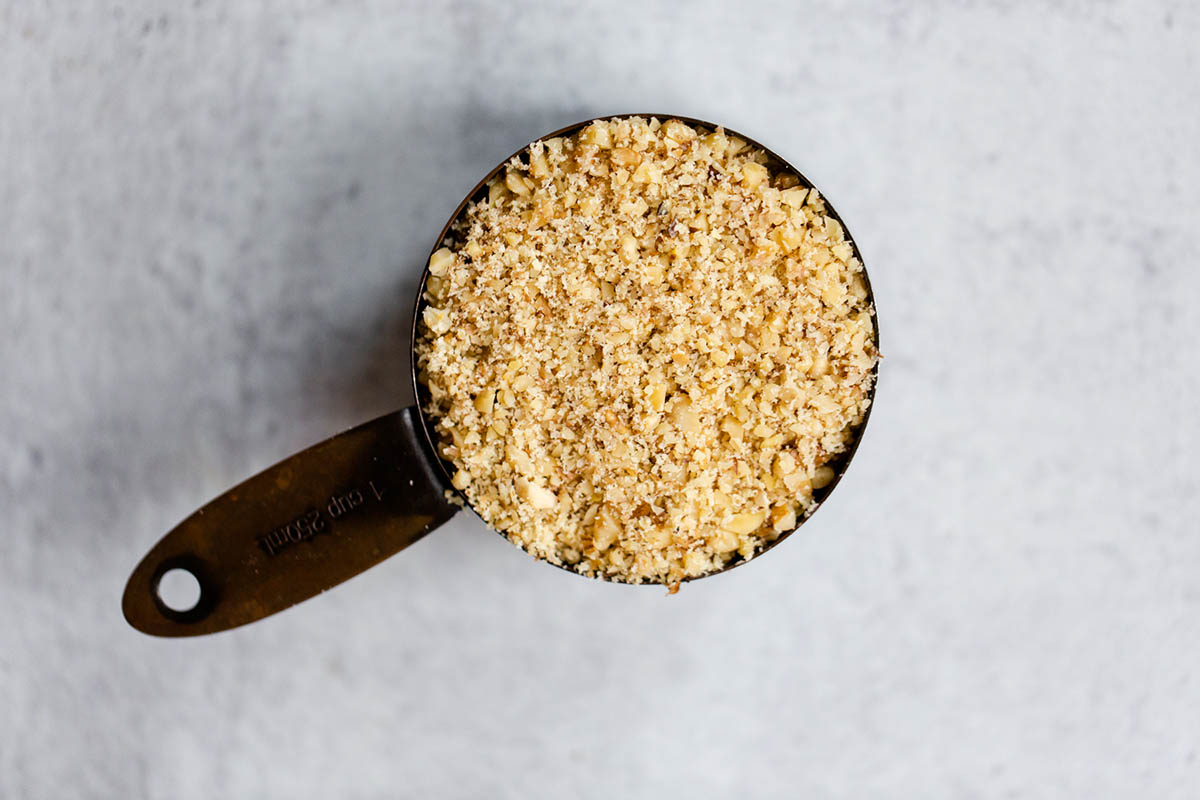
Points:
(296, 529)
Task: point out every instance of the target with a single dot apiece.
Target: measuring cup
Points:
(329, 512)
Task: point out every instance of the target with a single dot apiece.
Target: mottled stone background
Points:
(211, 220)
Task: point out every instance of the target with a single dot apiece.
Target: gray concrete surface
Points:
(211, 219)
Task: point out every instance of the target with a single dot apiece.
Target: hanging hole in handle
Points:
(180, 590)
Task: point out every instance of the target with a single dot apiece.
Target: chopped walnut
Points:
(642, 349)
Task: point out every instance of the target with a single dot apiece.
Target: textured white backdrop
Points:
(211, 220)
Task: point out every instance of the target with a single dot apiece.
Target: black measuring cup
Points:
(331, 511)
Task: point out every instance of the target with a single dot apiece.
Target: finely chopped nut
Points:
(642, 349)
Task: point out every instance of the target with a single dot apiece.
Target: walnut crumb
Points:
(642, 349)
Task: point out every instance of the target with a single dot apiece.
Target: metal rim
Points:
(839, 465)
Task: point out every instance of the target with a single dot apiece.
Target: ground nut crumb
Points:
(642, 349)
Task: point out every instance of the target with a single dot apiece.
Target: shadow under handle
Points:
(296, 529)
